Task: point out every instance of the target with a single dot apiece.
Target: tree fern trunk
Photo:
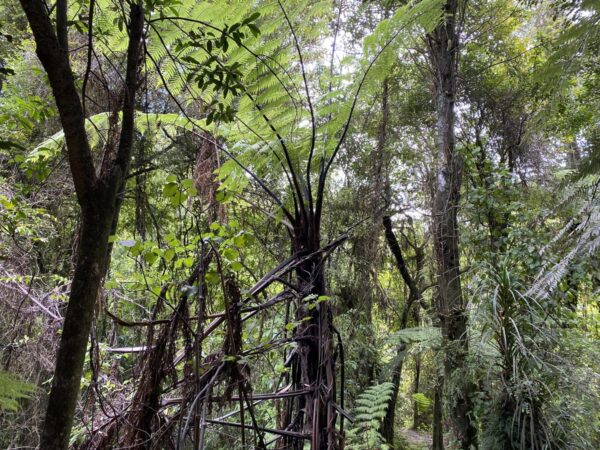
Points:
(313, 365)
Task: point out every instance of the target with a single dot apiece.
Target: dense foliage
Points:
(299, 224)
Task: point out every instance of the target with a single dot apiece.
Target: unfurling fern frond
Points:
(370, 410)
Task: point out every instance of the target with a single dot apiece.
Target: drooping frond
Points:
(579, 236)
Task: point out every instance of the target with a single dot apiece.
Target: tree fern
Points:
(270, 102)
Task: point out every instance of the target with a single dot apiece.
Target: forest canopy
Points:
(299, 224)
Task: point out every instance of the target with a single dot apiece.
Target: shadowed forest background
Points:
(299, 224)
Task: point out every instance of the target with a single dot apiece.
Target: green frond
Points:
(428, 337)
(12, 390)
(97, 128)
(579, 236)
(423, 402)
(370, 410)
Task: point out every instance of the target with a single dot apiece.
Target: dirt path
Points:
(416, 439)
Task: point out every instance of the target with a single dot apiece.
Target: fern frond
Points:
(428, 337)
(370, 409)
(12, 390)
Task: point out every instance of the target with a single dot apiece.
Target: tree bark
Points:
(443, 45)
(98, 197)
(438, 414)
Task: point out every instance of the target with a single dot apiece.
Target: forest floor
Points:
(416, 440)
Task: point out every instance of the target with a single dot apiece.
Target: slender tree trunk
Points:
(416, 387)
(387, 426)
(89, 271)
(98, 196)
(382, 187)
(443, 51)
(497, 216)
(417, 321)
(438, 415)
(415, 293)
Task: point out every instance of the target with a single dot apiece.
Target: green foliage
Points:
(578, 40)
(423, 402)
(526, 410)
(224, 91)
(12, 390)
(427, 337)
(369, 411)
(580, 236)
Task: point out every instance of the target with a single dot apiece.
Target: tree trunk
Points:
(438, 415)
(98, 196)
(416, 382)
(417, 379)
(443, 45)
(387, 426)
(415, 293)
(89, 271)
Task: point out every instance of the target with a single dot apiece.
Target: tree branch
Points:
(62, 82)
(136, 28)
(400, 262)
